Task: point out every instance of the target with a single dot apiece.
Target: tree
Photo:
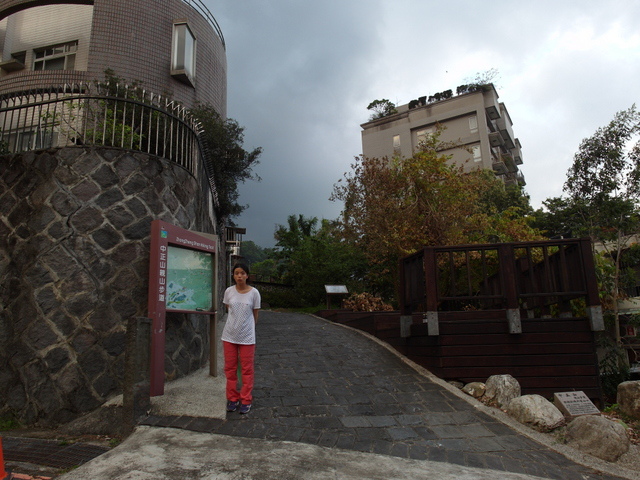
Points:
(289, 237)
(229, 161)
(559, 217)
(324, 258)
(381, 108)
(312, 254)
(253, 253)
(603, 187)
(393, 207)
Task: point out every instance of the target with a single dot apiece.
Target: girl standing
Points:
(239, 338)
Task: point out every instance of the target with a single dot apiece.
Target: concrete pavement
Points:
(331, 402)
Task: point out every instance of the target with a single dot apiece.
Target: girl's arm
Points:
(255, 314)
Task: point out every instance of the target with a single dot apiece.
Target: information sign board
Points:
(574, 404)
(182, 274)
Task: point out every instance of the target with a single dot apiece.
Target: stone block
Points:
(105, 177)
(501, 389)
(475, 389)
(598, 436)
(536, 412)
(85, 190)
(86, 220)
(628, 398)
(106, 237)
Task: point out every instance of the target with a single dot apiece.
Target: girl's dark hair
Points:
(242, 266)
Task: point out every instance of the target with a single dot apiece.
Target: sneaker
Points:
(232, 406)
(245, 408)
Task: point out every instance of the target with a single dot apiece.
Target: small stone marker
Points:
(574, 404)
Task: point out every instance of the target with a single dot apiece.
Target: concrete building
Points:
(172, 47)
(84, 171)
(473, 118)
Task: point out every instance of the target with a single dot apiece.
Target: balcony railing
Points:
(120, 116)
(204, 11)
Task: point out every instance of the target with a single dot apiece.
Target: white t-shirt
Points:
(240, 326)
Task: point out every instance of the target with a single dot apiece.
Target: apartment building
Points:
(473, 118)
(173, 47)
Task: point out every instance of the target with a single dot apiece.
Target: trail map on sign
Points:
(189, 279)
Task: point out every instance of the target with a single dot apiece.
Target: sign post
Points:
(333, 290)
(182, 278)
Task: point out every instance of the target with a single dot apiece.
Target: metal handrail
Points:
(114, 115)
(201, 7)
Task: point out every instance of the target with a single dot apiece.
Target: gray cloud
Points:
(300, 75)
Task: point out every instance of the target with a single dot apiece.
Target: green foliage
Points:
(560, 217)
(253, 253)
(289, 237)
(604, 166)
(115, 122)
(8, 423)
(603, 183)
(602, 201)
(230, 162)
(267, 268)
(631, 256)
(313, 254)
(382, 108)
(613, 366)
(499, 198)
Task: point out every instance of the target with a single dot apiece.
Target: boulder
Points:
(598, 436)
(501, 389)
(536, 412)
(475, 389)
(628, 398)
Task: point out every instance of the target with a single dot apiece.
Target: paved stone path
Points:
(327, 385)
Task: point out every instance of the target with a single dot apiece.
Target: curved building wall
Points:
(74, 262)
(134, 38)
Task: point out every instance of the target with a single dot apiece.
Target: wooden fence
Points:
(525, 309)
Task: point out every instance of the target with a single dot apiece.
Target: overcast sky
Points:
(301, 74)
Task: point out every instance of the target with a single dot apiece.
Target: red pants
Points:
(246, 353)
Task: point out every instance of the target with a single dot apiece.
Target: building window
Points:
(31, 140)
(183, 60)
(477, 153)
(56, 57)
(473, 124)
(422, 135)
(396, 144)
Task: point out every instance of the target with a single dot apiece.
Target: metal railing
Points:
(204, 11)
(112, 115)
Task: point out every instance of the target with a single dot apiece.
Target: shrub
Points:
(365, 302)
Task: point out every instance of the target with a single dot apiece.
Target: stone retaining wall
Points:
(74, 248)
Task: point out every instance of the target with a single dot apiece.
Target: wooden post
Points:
(594, 308)
(136, 401)
(213, 345)
(402, 289)
(4, 474)
(507, 267)
(431, 292)
(405, 325)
